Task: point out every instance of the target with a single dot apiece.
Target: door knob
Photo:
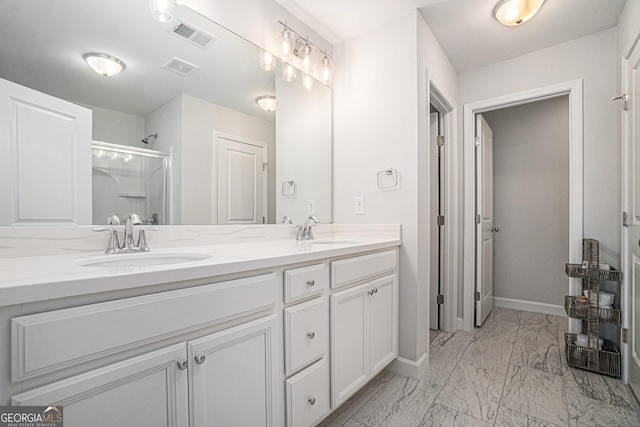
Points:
(494, 229)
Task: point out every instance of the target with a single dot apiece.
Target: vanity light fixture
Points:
(104, 64)
(299, 52)
(516, 12)
(289, 72)
(267, 102)
(307, 82)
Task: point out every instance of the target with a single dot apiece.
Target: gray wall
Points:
(531, 189)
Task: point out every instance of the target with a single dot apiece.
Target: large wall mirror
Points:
(178, 135)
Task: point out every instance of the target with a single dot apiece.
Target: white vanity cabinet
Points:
(227, 377)
(364, 323)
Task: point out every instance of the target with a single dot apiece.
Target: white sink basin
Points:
(142, 260)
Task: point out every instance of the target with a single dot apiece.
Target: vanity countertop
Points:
(39, 278)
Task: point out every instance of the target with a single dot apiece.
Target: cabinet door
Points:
(349, 342)
(232, 376)
(147, 390)
(383, 309)
(45, 159)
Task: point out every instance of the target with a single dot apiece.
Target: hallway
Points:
(510, 372)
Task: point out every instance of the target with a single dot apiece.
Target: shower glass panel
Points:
(129, 179)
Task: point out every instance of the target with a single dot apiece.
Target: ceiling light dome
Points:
(516, 12)
(267, 102)
(104, 64)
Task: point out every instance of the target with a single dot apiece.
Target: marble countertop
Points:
(38, 278)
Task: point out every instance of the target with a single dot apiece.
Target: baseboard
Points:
(536, 307)
(409, 368)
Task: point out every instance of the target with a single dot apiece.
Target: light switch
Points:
(311, 207)
(358, 207)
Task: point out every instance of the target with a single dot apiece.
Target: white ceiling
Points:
(466, 29)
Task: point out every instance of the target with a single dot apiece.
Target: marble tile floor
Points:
(510, 372)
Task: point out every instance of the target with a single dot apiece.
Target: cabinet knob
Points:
(311, 282)
(311, 335)
(312, 400)
(182, 364)
(200, 358)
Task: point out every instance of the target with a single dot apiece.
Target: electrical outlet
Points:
(311, 207)
(358, 207)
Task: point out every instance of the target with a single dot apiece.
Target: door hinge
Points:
(440, 299)
(477, 218)
(440, 140)
(625, 335)
(625, 101)
(440, 219)
(263, 220)
(477, 296)
(477, 141)
(264, 166)
(624, 219)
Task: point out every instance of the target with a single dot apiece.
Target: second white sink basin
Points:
(145, 259)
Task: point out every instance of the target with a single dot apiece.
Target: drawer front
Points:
(308, 395)
(360, 268)
(107, 328)
(306, 333)
(305, 282)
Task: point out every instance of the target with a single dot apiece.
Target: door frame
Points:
(214, 172)
(574, 89)
(446, 105)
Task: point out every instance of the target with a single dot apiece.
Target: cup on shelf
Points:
(606, 298)
(582, 340)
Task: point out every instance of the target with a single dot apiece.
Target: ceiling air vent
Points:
(180, 66)
(193, 34)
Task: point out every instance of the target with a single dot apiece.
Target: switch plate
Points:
(311, 207)
(358, 207)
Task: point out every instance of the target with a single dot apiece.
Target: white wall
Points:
(592, 59)
(531, 200)
(380, 122)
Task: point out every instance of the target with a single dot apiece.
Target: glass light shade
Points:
(267, 102)
(307, 82)
(267, 61)
(305, 54)
(289, 72)
(288, 43)
(162, 10)
(516, 12)
(327, 70)
(104, 64)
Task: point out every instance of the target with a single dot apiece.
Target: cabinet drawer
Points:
(305, 281)
(110, 327)
(352, 270)
(306, 333)
(308, 395)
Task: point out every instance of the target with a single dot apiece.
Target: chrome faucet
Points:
(114, 246)
(286, 220)
(305, 232)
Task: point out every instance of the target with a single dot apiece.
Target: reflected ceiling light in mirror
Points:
(289, 72)
(327, 69)
(162, 10)
(304, 53)
(267, 61)
(267, 102)
(307, 82)
(516, 12)
(104, 64)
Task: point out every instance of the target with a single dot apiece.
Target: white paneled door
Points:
(241, 181)
(484, 220)
(631, 205)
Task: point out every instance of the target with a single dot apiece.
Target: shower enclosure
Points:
(128, 179)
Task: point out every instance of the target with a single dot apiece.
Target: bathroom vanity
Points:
(244, 332)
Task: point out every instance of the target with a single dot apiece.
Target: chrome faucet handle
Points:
(114, 245)
(307, 232)
(286, 220)
(132, 219)
(113, 219)
(142, 238)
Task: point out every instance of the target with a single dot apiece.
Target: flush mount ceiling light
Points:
(516, 12)
(104, 64)
(267, 102)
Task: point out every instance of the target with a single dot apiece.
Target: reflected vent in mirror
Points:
(193, 34)
(180, 66)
